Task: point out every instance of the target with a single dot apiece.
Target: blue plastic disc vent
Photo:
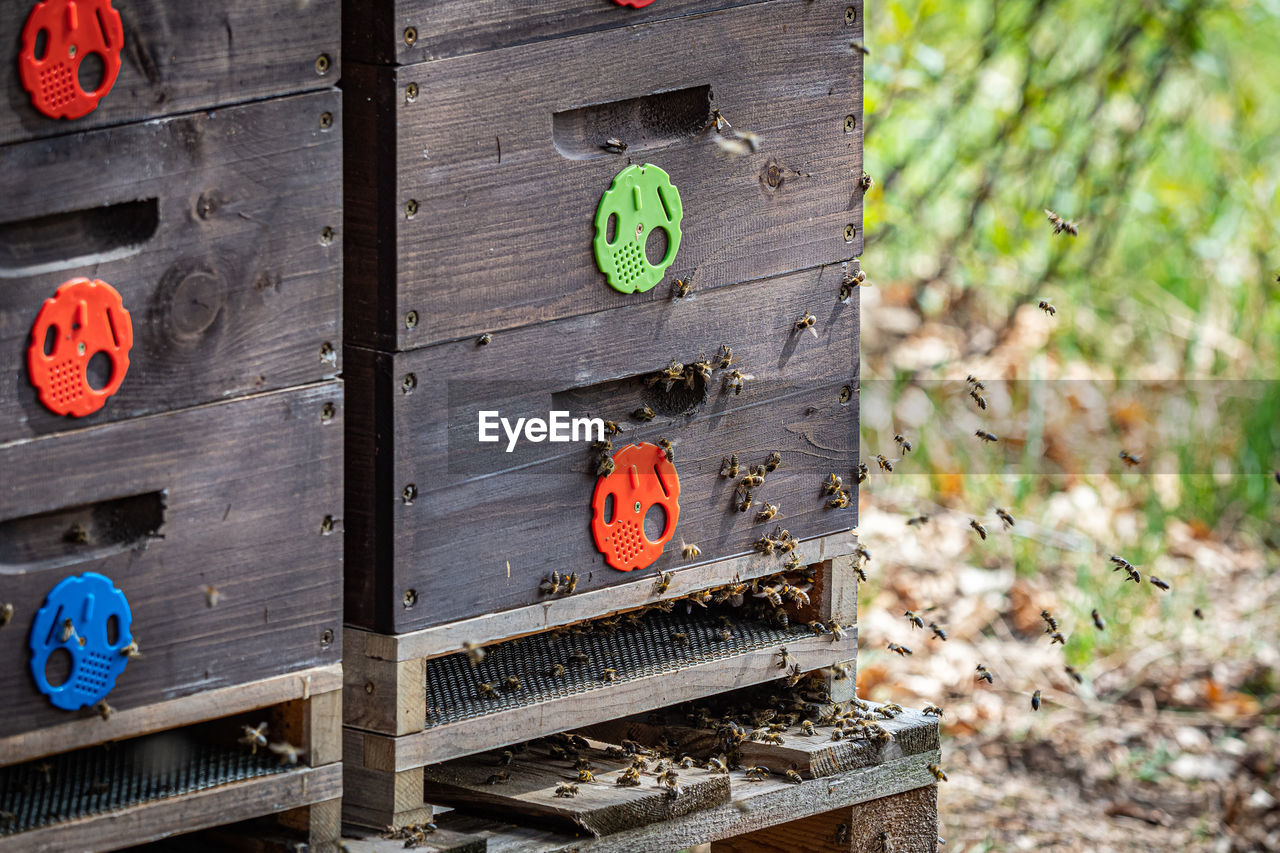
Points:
(77, 616)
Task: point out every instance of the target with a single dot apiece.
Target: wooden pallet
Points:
(303, 709)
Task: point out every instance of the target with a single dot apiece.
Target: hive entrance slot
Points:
(649, 121)
(79, 533)
(76, 238)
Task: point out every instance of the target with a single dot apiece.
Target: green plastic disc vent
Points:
(640, 199)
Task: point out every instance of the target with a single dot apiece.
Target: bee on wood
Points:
(475, 654)
(735, 381)
(289, 754)
(663, 583)
(932, 711)
(837, 734)
(784, 657)
(700, 598)
(863, 473)
(724, 357)
(512, 683)
(566, 789)
(644, 413)
(1056, 637)
(212, 595)
(842, 500)
(1061, 225)
(1047, 307)
(505, 758)
(729, 467)
(837, 630)
(689, 551)
(978, 528)
(817, 628)
(917, 521)
(484, 340)
(884, 463)
(6, 613)
(1097, 620)
(987, 436)
(937, 773)
(702, 368)
(850, 283)
(757, 774)
(938, 632)
(913, 619)
(1073, 674)
(502, 777)
(984, 674)
(806, 322)
(131, 650)
(571, 583)
(680, 639)
(609, 675)
(718, 121)
(1129, 459)
(715, 765)
(769, 511)
(614, 145)
(1005, 517)
(253, 737)
(1035, 701)
(585, 775)
(866, 182)
(630, 778)
(557, 671)
(612, 428)
(903, 445)
(668, 449)
(838, 671)
(681, 287)
(832, 485)
(668, 376)
(753, 479)
(485, 690)
(793, 565)
(550, 585)
(901, 651)
(978, 398)
(1157, 583)
(806, 728)
(793, 678)
(794, 778)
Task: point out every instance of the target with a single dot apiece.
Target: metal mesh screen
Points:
(632, 650)
(114, 776)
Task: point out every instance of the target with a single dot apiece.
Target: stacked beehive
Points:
(481, 136)
(171, 423)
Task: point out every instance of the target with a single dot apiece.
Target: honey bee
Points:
(475, 654)
(931, 710)
(724, 635)
(702, 368)
(1056, 637)
(700, 598)
(1121, 563)
(505, 758)
(916, 621)
(131, 650)
(902, 651)
(502, 777)
(253, 737)
(841, 501)
(977, 526)
(937, 773)
(612, 428)
(512, 683)
(793, 565)
(817, 628)
(485, 690)
(806, 322)
(842, 834)
(850, 283)
(1047, 307)
(1005, 517)
(689, 551)
(1097, 620)
(289, 754)
(212, 595)
(860, 47)
(903, 445)
(566, 789)
(585, 775)
(1051, 624)
(836, 629)
(1129, 459)
(987, 436)
(663, 583)
(630, 778)
(832, 485)
(736, 380)
(784, 657)
(985, 675)
(680, 288)
(975, 382)
(729, 467)
(938, 631)
(668, 449)
(668, 376)
(724, 357)
(1074, 675)
(1157, 583)
(757, 774)
(609, 675)
(978, 398)
(644, 413)
(6, 613)
(866, 182)
(1060, 225)
(863, 473)
(1198, 613)
(917, 521)
(614, 145)
(571, 583)
(752, 480)
(1035, 701)
(884, 463)
(769, 511)
(718, 121)
(793, 678)
(484, 340)
(794, 778)
(679, 638)
(68, 629)
(551, 585)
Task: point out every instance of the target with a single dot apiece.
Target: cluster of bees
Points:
(412, 834)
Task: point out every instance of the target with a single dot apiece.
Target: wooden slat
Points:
(380, 799)
(497, 245)
(358, 840)
(599, 808)
(247, 485)
(185, 813)
(217, 251)
(540, 495)
(440, 743)
(182, 57)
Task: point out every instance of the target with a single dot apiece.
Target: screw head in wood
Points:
(323, 64)
(326, 236)
(409, 382)
(326, 525)
(410, 597)
(849, 233)
(408, 493)
(411, 92)
(326, 639)
(326, 121)
(850, 15)
(411, 208)
(846, 393)
(327, 411)
(410, 36)
(850, 123)
(411, 319)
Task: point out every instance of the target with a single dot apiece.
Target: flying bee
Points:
(1075, 676)
(901, 651)
(806, 322)
(1198, 613)
(917, 521)
(609, 675)
(772, 461)
(984, 674)
(718, 121)
(512, 683)
(794, 778)
(6, 613)
(289, 754)
(475, 654)
(614, 145)
(860, 47)
(978, 398)
(1121, 563)
(903, 444)
(551, 585)
(1097, 620)
(836, 629)
(1060, 225)
(1051, 624)
(729, 467)
(1035, 701)
(1157, 583)
(644, 413)
(977, 526)
(757, 774)
(987, 436)
(866, 181)
(689, 551)
(724, 357)
(1129, 459)
(735, 380)
(913, 619)
(1056, 637)
(932, 711)
(663, 583)
(937, 773)
(832, 485)
(975, 382)
(253, 737)
(485, 690)
(885, 464)
(567, 789)
(938, 631)
(862, 554)
(1005, 517)
(502, 777)
(769, 511)
(668, 449)
(863, 473)
(1132, 574)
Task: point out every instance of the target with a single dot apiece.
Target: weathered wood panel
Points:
(213, 229)
(540, 496)
(498, 169)
(402, 32)
(248, 485)
(181, 57)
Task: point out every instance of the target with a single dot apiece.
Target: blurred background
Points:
(1154, 127)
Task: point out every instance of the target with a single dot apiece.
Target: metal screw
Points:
(408, 493)
(326, 236)
(846, 393)
(326, 525)
(410, 35)
(849, 233)
(411, 92)
(850, 122)
(322, 64)
(368, 687)
(327, 412)
(850, 15)
(410, 597)
(327, 355)
(408, 383)
(326, 639)
(411, 319)
(411, 208)
(326, 121)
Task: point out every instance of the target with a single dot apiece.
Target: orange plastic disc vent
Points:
(58, 36)
(82, 319)
(642, 477)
